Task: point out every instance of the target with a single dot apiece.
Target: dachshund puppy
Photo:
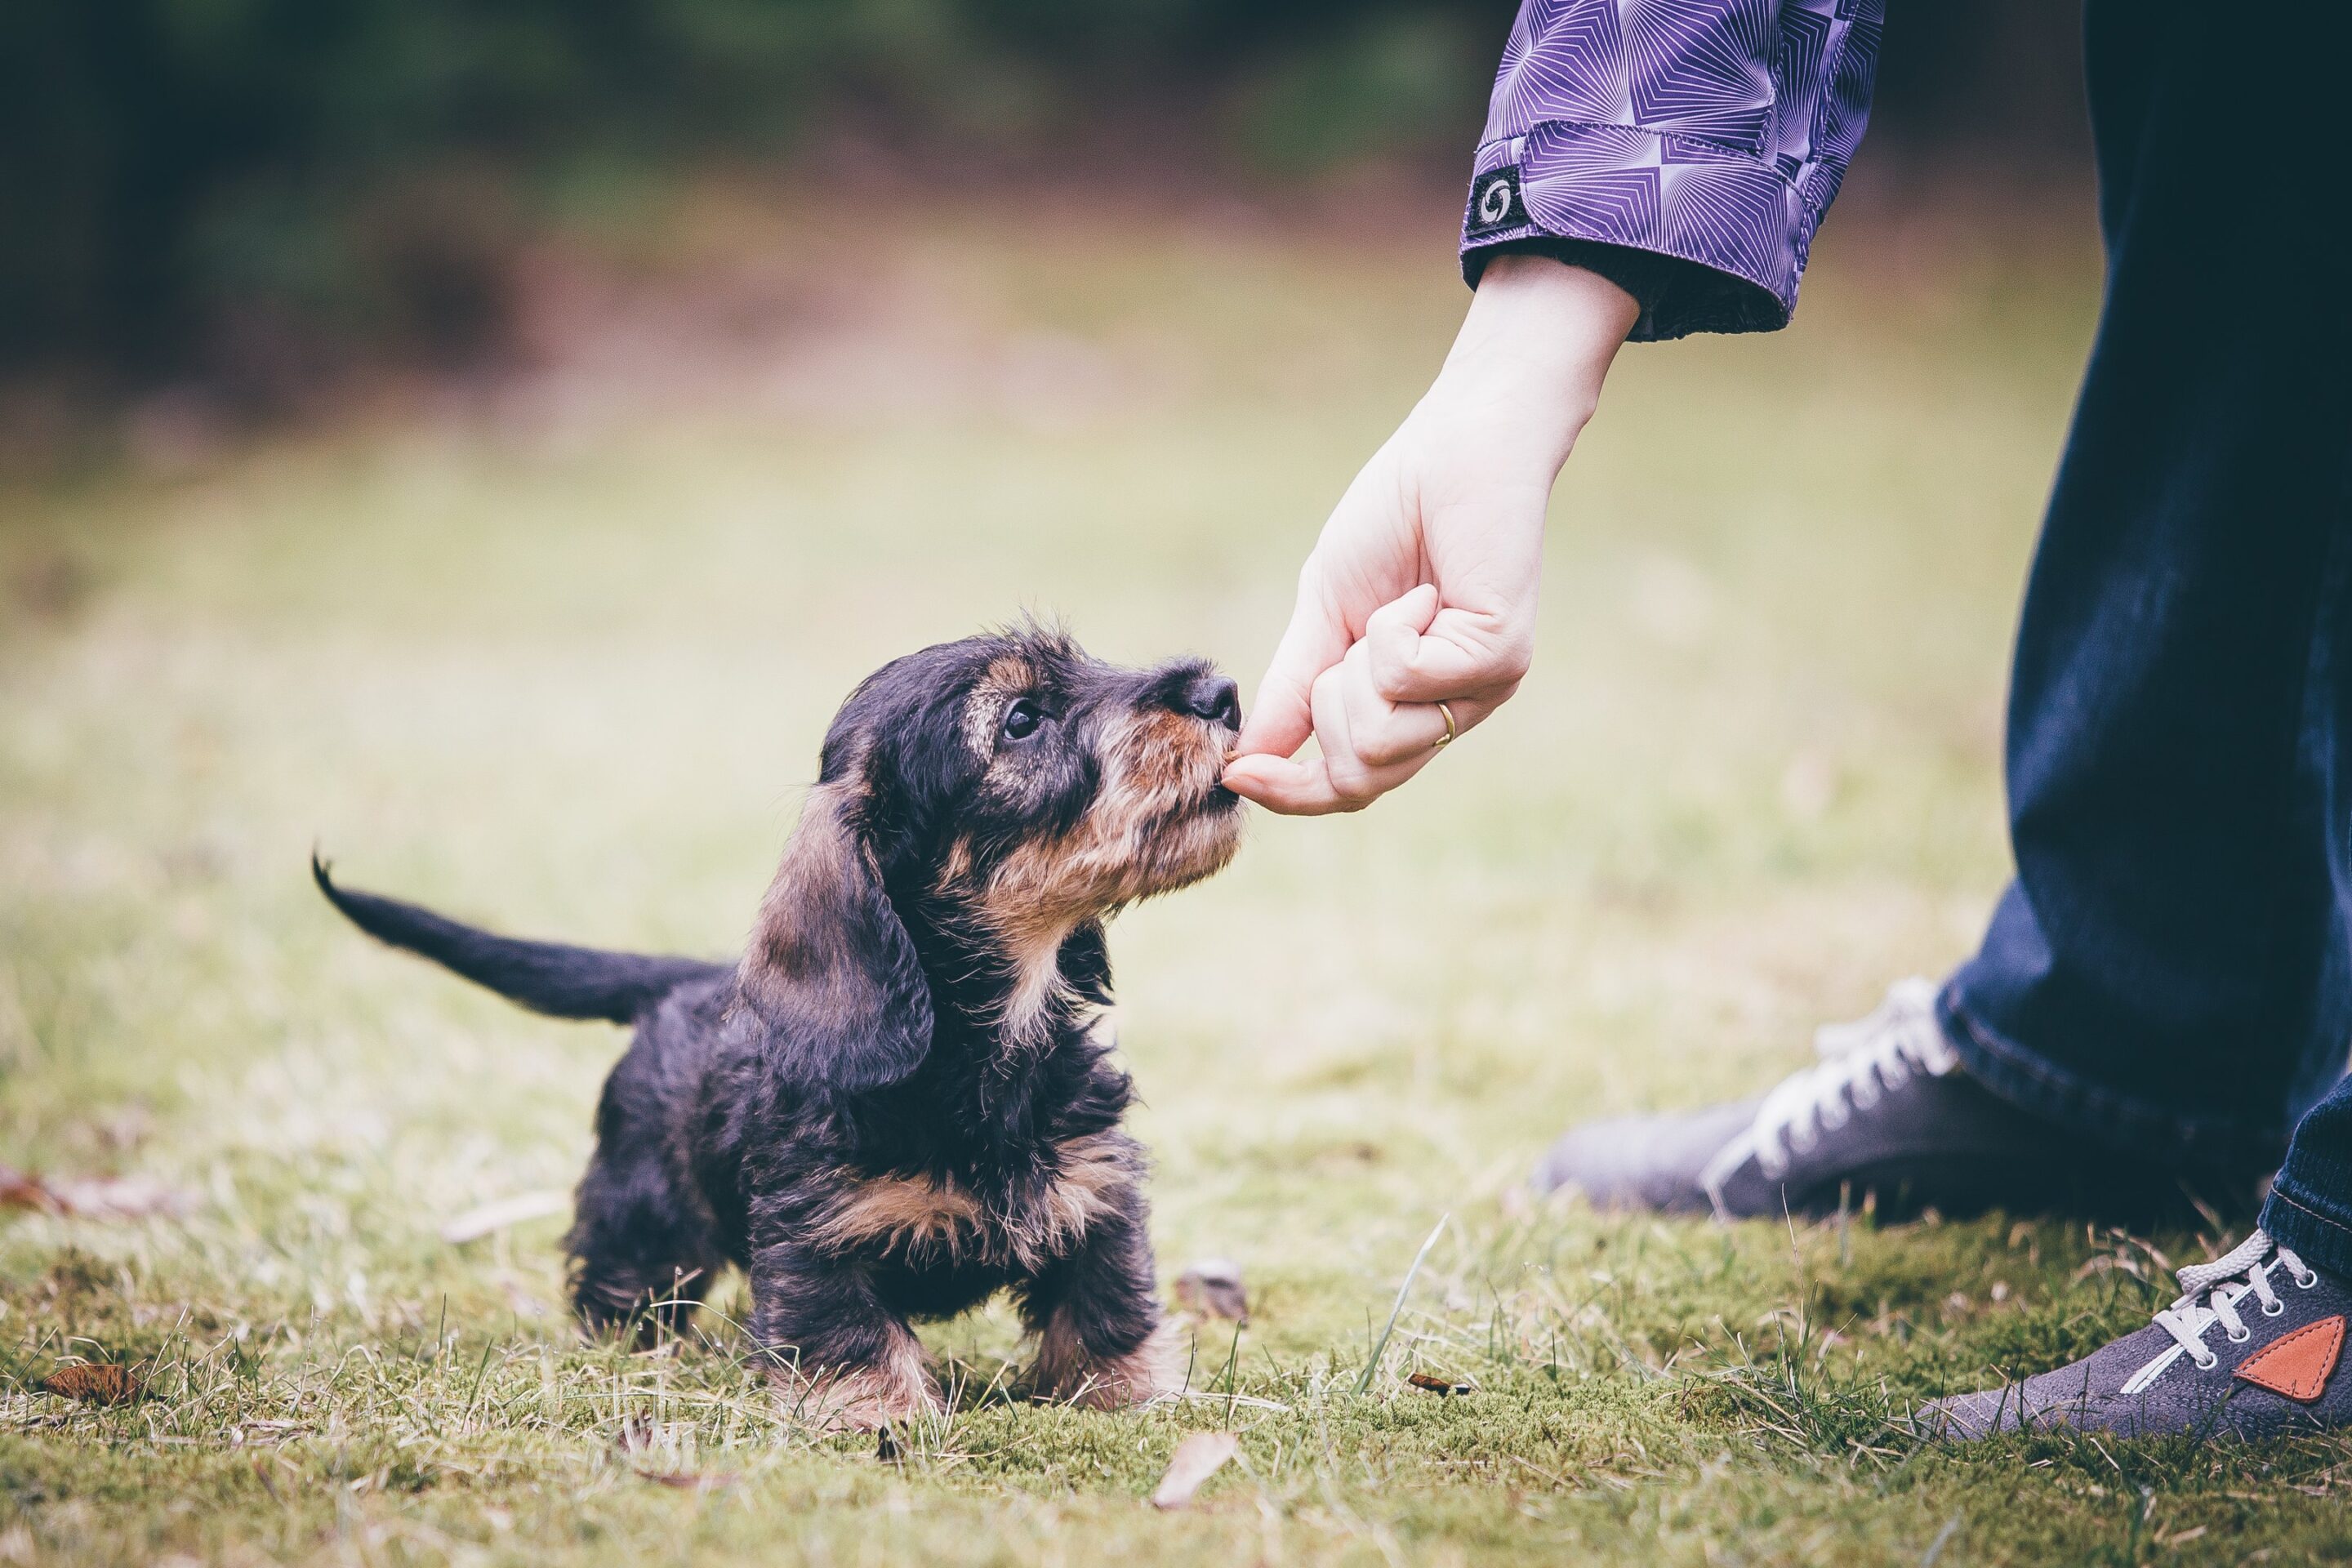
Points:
(895, 1103)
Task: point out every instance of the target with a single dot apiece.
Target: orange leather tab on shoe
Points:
(2298, 1364)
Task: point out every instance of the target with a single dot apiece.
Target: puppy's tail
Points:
(545, 976)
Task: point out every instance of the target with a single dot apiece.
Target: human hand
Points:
(1421, 588)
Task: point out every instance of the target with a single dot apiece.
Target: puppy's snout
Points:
(1213, 698)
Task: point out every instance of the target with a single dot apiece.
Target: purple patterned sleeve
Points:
(1713, 132)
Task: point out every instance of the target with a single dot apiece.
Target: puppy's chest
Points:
(1019, 1225)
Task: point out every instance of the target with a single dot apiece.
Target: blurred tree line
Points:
(180, 175)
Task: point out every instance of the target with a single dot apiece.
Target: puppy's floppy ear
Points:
(830, 969)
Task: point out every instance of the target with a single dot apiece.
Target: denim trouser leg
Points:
(2310, 1207)
(2172, 971)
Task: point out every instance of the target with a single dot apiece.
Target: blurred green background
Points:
(263, 194)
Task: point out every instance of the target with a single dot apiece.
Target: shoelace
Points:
(2244, 1271)
(1860, 1062)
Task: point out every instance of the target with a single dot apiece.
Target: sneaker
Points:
(2252, 1348)
(1887, 1112)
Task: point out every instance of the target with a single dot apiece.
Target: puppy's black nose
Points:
(1213, 698)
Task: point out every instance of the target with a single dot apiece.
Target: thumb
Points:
(1293, 786)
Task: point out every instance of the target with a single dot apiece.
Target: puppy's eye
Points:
(1021, 720)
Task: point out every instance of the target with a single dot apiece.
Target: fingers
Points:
(1432, 657)
(1368, 745)
(1301, 786)
(1382, 733)
(1398, 625)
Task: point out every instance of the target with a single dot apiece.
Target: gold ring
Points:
(1447, 739)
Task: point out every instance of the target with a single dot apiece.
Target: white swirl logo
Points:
(1495, 204)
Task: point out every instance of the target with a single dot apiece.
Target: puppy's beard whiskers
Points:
(1148, 829)
(1138, 837)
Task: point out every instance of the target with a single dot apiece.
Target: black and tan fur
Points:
(898, 1102)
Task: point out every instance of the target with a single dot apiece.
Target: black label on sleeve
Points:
(1494, 203)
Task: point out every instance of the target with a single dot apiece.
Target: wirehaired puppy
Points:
(896, 1103)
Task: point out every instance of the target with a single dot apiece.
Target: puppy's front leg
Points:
(1100, 1339)
(837, 1356)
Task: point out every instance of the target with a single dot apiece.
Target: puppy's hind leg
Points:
(641, 1255)
(1101, 1340)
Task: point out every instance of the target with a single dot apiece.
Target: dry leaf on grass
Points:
(648, 1449)
(65, 1196)
(20, 1191)
(95, 1382)
(478, 1223)
(105, 1197)
(124, 1197)
(1198, 1458)
(1213, 1288)
(689, 1480)
(1429, 1385)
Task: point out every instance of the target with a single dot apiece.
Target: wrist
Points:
(1534, 350)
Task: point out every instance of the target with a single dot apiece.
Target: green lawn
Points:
(559, 660)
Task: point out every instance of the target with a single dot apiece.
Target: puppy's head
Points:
(1015, 788)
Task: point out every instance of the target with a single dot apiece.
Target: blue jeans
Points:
(2172, 971)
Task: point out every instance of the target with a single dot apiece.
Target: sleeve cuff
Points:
(1708, 238)
(1678, 297)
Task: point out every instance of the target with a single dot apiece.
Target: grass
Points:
(558, 656)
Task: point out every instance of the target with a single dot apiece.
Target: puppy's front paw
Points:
(859, 1398)
(1152, 1370)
